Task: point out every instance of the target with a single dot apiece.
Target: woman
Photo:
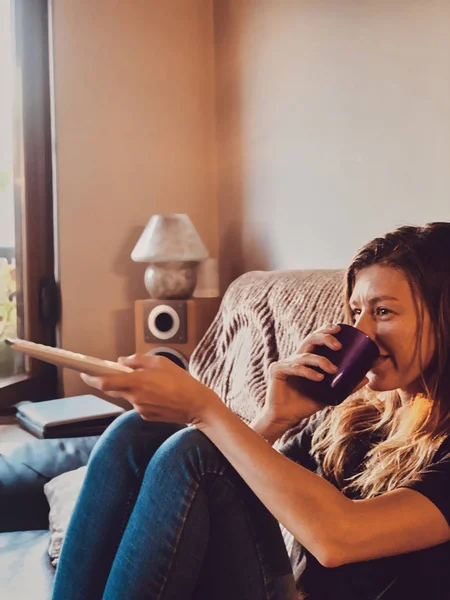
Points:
(169, 512)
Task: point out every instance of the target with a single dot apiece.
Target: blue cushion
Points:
(25, 471)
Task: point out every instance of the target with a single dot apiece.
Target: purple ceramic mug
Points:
(354, 360)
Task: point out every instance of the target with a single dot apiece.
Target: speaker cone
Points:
(173, 355)
(163, 322)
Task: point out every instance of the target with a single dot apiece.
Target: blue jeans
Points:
(162, 515)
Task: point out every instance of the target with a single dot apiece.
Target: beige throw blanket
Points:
(263, 318)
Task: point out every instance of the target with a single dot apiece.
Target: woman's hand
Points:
(285, 405)
(158, 390)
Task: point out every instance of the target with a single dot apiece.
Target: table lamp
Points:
(174, 251)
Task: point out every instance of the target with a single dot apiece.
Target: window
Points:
(28, 298)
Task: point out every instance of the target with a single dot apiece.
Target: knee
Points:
(129, 433)
(118, 436)
(192, 449)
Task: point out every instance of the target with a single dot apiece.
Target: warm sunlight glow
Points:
(6, 129)
(9, 365)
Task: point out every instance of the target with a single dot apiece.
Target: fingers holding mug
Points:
(325, 336)
(358, 352)
(315, 360)
(293, 368)
(302, 366)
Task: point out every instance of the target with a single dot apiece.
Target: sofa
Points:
(262, 318)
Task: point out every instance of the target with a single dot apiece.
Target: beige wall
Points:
(331, 119)
(134, 137)
(333, 126)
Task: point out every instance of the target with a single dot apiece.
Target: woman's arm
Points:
(267, 429)
(335, 529)
(310, 507)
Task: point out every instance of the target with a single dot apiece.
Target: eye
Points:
(379, 312)
(355, 313)
(383, 312)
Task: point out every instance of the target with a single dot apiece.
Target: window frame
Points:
(37, 292)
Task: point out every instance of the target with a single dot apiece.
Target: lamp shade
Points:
(169, 238)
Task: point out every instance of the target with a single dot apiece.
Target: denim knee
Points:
(119, 434)
(129, 435)
(192, 450)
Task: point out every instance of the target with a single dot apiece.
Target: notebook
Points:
(67, 417)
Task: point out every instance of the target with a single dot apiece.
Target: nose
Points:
(365, 324)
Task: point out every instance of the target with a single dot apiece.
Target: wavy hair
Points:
(405, 436)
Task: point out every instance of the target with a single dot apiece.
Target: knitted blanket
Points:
(262, 319)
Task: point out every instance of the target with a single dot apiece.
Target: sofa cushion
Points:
(25, 569)
(24, 472)
(62, 493)
(263, 318)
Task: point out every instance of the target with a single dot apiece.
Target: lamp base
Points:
(171, 280)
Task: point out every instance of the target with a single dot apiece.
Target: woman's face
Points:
(383, 308)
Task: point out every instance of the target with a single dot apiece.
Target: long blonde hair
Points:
(405, 436)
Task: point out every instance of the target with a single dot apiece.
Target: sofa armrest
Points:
(25, 471)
